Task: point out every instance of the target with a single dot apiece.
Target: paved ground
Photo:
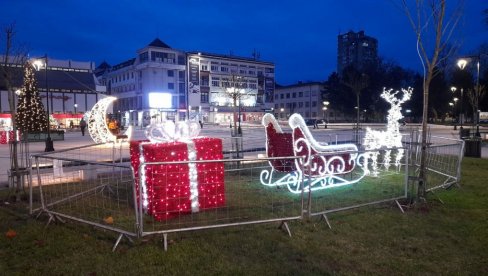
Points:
(253, 138)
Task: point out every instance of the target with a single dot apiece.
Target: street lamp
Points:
(462, 62)
(326, 105)
(38, 64)
(76, 106)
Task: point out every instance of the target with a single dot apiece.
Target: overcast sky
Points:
(300, 37)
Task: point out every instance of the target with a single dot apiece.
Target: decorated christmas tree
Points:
(30, 116)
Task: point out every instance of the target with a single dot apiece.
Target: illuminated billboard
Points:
(160, 100)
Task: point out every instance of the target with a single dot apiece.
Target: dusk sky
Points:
(300, 37)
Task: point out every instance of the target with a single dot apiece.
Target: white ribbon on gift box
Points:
(183, 132)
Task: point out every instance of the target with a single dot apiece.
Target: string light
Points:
(173, 189)
(97, 122)
(391, 137)
(30, 115)
(326, 168)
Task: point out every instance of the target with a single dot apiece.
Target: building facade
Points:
(151, 86)
(69, 87)
(220, 86)
(302, 98)
(355, 49)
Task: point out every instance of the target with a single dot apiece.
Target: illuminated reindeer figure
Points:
(391, 137)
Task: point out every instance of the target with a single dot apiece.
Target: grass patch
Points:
(431, 238)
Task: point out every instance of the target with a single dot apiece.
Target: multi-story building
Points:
(72, 88)
(355, 49)
(213, 80)
(303, 98)
(149, 86)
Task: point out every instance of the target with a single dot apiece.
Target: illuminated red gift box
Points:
(169, 190)
(6, 136)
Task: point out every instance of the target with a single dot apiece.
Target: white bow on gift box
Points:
(169, 131)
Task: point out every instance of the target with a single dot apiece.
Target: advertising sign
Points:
(194, 77)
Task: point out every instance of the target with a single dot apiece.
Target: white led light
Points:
(391, 137)
(331, 157)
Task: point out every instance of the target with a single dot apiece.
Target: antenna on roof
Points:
(256, 54)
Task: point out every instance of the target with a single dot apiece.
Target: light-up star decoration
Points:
(391, 137)
(97, 122)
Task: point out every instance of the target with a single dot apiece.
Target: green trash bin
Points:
(472, 147)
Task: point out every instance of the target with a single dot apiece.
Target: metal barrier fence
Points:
(389, 183)
(443, 161)
(95, 185)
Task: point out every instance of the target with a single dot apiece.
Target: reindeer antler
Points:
(407, 93)
(391, 97)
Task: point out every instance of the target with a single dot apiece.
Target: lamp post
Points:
(38, 64)
(76, 106)
(462, 62)
(453, 89)
(326, 106)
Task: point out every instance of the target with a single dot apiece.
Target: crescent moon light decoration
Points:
(97, 122)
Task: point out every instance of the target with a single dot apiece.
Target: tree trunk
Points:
(423, 156)
(14, 162)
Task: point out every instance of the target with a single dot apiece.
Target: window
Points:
(215, 83)
(282, 105)
(300, 104)
(171, 86)
(287, 95)
(276, 96)
(171, 73)
(181, 60)
(224, 69)
(282, 96)
(276, 106)
(252, 72)
(300, 94)
(204, 97)
(252, 86)
(294, 95)
(143, 57)
(314, 114)
(204, 67)
(314, 104)
(214, 68)
(307, 104)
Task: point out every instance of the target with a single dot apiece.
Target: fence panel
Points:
(89, 184)
(364, 184)
(244, 195)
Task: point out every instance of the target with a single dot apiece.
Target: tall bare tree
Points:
(236, 89)
(356, 81)
(475, 95)
(12, 55)
(433, 29)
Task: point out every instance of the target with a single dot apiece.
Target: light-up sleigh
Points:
(279, 150)
(315, 165)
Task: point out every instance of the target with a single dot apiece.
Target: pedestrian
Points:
(201, 123)
(82, 127)
(71, 125)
